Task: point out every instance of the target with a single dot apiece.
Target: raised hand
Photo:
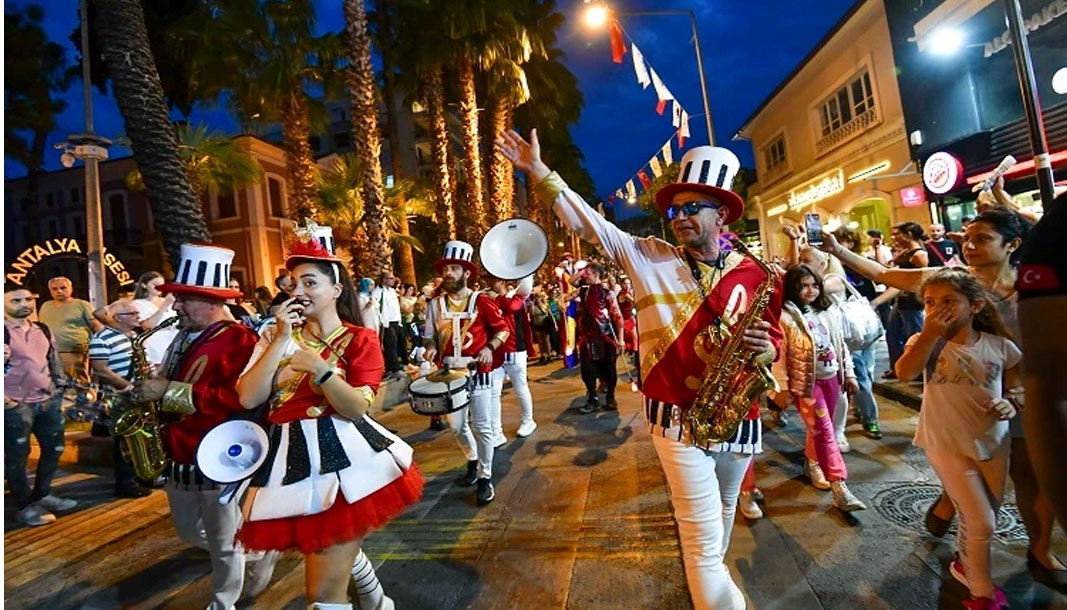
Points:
(522, 154)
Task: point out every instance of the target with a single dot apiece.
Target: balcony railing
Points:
(858, 124)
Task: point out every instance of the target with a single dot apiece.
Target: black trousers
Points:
(600, 368)
(394, 347)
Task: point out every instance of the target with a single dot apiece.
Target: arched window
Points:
(275, 197)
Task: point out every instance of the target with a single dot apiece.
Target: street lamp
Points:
(598, 13)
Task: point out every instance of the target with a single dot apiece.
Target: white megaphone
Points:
(231, 453)
(513, 249)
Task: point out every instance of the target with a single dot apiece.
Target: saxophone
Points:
(726, 395)
(138, 424)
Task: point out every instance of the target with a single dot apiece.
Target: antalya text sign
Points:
(63, 247)
(817, 190)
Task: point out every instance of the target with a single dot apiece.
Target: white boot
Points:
(844, 499)
(366, 587)
(815, 473)
(747, 504)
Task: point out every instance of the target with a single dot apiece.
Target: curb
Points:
(892, 391)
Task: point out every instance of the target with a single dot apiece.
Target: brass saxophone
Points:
(138, 424)
(726, 395)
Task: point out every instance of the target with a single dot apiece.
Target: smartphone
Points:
(813, 226)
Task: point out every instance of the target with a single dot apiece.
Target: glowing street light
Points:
(596, 15)
(946, 41)
(1059, 81)
(631, 200)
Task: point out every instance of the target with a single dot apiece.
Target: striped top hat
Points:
(204, 271)
(708, 170)
(458, 253)
(312, 242)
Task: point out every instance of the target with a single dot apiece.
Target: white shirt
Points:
(388, 303)
(157, 344)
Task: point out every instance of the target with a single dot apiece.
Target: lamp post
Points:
(598, 13)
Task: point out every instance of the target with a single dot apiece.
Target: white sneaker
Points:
(748, 506)
(33, 515)
(845, 499)
(843, 445)
(500, 441)
(56, 503)
(815, 473)
(526, 428)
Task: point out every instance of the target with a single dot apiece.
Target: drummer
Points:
(469, 324)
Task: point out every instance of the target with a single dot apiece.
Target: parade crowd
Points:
(307, 362)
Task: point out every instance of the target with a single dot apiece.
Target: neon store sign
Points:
(63, 247)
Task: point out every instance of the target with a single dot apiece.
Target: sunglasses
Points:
(691, 208)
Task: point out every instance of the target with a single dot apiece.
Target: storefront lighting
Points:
(945, 41)
(853, 225)
(818, 189)
(776, 210)
(1019, 168)
(1059, 81)
(870, 171)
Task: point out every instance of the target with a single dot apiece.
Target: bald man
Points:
(72, 324)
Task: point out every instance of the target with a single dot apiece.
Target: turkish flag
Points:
(643, 177)
(618, 47)
(1038, 278)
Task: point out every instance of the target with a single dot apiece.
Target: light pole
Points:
(598, 13)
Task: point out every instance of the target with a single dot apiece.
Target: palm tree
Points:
(266, 56)
(367, 138)
(151, 133)
(212, 161)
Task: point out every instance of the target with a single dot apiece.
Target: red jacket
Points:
(512, 307)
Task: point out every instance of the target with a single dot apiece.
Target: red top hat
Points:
(204, 271)
(709, 170)
(458, 253)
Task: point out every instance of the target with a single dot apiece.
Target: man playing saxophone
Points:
(684, 297)
(201, 371)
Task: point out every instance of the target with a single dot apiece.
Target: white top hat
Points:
(458, 253)
(203, 270)
(710, 170)
(312, 242)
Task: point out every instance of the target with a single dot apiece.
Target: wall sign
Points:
(942, 172)
(1057, 8)
(912, 197)
(62, 247)
(818, 189)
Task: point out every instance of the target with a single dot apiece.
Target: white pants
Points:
(479, 444)
(693, 478)
(840, 415)
(202, 522)
(514, 367)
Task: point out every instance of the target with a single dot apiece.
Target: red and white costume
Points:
(517, 351)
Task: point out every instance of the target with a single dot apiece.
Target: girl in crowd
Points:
(334, 474)
(817, 363)
(154, 309)
(972, 386)
(991, 246)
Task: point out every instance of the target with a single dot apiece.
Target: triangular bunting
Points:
(662, 93)
(676, 114)
(665, 152)
(618, 47)
(640, 68)
(657, 171)
(631, 191)
(683, 131)
(643, 177)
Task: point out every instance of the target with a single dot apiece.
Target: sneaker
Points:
(872, 430)
(935, 524)
(437, 423)
(757, 495)
(748, 506)
(818, 479)
(955, 567)
(135, 491)
(500, 440)
(842, 444)
(485, 492)
(611, 404)
(33, 515)
(592, 404)
(889, 375)
(844, 499)
(471, 476)
(999, 601)
(526, 428)
(55, 503)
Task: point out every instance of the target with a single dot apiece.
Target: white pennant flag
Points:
(662, 93)
(666, 152)
(631, 191)
(676, 114)
(657, 170)
(683, 131)
(619, 195)
(640, 68)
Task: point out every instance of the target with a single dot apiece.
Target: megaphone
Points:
(232, 451)
(513, 249)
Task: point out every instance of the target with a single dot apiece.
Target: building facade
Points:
(831, 138)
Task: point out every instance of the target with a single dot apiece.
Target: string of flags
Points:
(657, 165)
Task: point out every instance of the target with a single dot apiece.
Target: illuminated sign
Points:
(941, 172)
(912, 197)
(63, 247)
(817, 190)
(778, 209)
(1054, 10)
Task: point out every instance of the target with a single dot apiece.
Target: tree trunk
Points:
(299, 160)
(472, 158)
(405, 268)
(434, 99)
(501, 175)
(144, 113)
(365, 135)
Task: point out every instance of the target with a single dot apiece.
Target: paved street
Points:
(581, 521)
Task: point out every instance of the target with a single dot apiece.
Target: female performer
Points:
(332, 473)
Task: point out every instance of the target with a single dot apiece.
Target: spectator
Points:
(31, 405)
(237, 308)
(72, 323)
(284, 284)
(368, 313)
(154, 309)
(943, 252)
(879, 253)
(261, 299)
(598, 341)
(111, 358)
(906, 316)
(410, 331)
(387, 302)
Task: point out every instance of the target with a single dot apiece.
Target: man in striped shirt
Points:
(111, 357)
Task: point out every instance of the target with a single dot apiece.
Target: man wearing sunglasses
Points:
(681, 291)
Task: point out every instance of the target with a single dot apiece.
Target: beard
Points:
(453, 285)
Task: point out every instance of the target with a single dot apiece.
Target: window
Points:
(59, 198)
(774, 154)
(50, 200)
(227, 205)
(75, 195)
(851, 101)
(274, 197)
(341, 141)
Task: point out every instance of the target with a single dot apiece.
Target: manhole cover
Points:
(905, 505)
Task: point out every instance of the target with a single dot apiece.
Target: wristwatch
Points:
(324, 377)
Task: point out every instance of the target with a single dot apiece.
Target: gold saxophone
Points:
(138, 424)
(726, 395)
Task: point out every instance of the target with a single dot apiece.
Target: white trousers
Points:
(477, 437)
(693, 478)
(202, 522)
(514, 367)
(840, 414)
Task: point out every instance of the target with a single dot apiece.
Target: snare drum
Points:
(441, 392)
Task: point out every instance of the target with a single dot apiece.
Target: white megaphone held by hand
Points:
(513, 249)
(231, 453)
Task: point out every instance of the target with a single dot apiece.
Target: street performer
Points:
(469, 323)
(681, 293)
(332, 473)
(200, 372)
(517, 350)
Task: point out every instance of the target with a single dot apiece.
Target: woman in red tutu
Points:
(332, 473)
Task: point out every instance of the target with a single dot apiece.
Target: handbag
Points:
(861, 325)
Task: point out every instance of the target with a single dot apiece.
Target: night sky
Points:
(748, 48)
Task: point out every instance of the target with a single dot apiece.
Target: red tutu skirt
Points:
(341, 522)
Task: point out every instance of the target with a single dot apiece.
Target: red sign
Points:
(942, 172)
(912, 196)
